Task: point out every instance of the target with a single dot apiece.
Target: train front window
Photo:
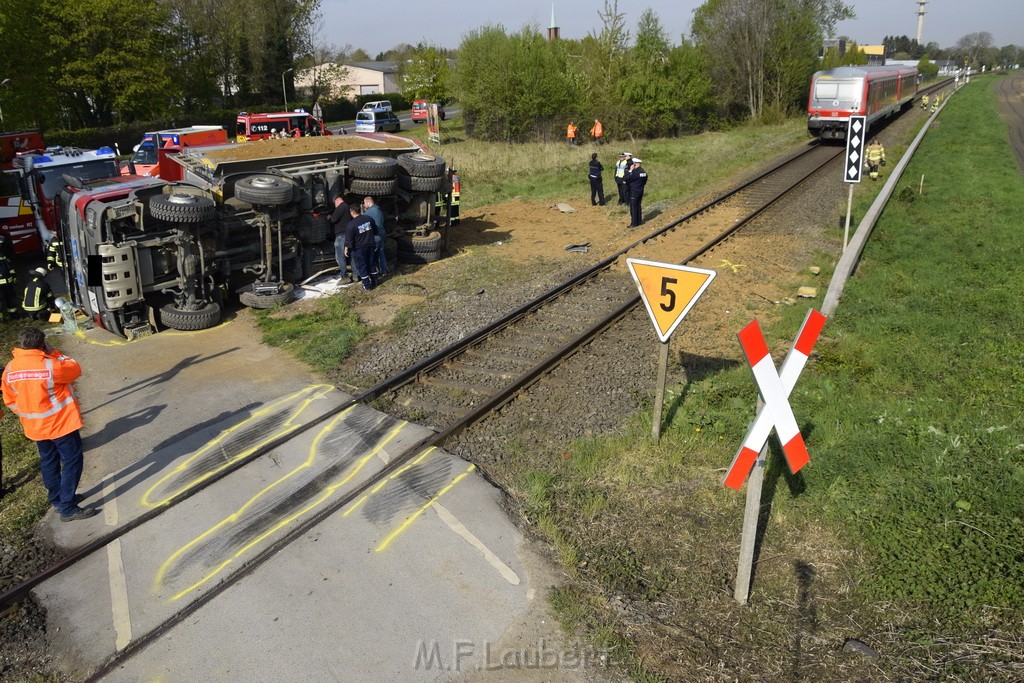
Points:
(840, 91)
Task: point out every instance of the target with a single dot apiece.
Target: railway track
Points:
(460, 385)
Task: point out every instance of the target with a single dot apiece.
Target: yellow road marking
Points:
(327, 493)
(317, 391)
(734, 266)
(394, 534)
(384, 482)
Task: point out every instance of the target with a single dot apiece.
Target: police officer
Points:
(636, 179)
(621, 167)
(38, 300)
(596, 182)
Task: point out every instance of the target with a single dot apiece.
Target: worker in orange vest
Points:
(570, 133)
(36, 387)
(597, 132)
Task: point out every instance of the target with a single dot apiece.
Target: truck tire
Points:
(420, 184)
(390, 250)
(375, 188)
(422, 164)
(372, 167)
(201, 319)
(254, 300)
(420, 249)
(266, 190)
(182, 208)
(315, 231)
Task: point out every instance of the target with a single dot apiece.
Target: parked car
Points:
(377, 122)
(419, 110)
(378, 105)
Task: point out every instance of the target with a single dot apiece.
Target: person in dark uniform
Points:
(359, 246)
(636, 178)
(38, 300)
(8, 291)
(339, 221)
(596, 183)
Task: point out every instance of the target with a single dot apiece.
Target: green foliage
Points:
(426, 75)
(927, 68)
(321, 338)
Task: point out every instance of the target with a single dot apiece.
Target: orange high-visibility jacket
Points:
(570, 131)
(598, 130)
(37, 388)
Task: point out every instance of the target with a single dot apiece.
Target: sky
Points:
(378, 26)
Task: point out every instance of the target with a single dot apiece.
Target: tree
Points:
(762, 52)
(426, 75)
(972, 47)
(108, 58)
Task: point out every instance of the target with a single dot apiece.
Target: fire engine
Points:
(245, 221)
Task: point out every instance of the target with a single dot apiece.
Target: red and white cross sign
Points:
(775, 388)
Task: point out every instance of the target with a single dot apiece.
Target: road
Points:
(422, 578)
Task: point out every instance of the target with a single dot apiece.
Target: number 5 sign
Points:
(669, 291)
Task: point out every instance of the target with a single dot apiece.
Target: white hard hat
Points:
(40, 271)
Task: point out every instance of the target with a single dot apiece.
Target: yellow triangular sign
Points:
(669, 291)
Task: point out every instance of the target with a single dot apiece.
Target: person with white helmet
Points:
(38, 300)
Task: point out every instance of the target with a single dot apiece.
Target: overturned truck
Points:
(246, 221)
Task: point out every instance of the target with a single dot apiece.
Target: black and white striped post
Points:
(856, 136)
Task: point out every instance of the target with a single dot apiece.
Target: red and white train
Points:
(871, 91)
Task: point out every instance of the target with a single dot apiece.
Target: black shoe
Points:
(79, 513)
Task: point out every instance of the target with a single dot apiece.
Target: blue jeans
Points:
(339, 254)
(60, 461)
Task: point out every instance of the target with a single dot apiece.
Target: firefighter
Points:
(875, 156)
(8, 283)
(924, 101)
(38, 300)
(55, 253)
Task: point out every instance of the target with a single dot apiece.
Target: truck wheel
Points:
(182, 208)
(254, 300)
(419, 184)
(372, 167)
(422, 164)
(420, 249)
(390, 250)
(374, 188)
(266, 190)
(178, 319)
(315, 231)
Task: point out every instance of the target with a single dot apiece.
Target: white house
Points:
(360, 78)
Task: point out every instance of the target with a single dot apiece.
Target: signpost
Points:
(773, 412)
(856, 134)
(668, 291)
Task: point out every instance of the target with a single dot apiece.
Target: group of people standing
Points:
(630, 178)
(596, 133)
(359, 240)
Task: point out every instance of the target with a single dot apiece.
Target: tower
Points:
(920, 20)
(553, 28)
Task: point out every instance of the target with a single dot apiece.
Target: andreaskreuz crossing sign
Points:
(855, 134)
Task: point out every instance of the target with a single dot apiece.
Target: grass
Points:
(678, 167)
(908, 522)
(322, 337)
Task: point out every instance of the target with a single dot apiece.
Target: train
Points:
(872, 91)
